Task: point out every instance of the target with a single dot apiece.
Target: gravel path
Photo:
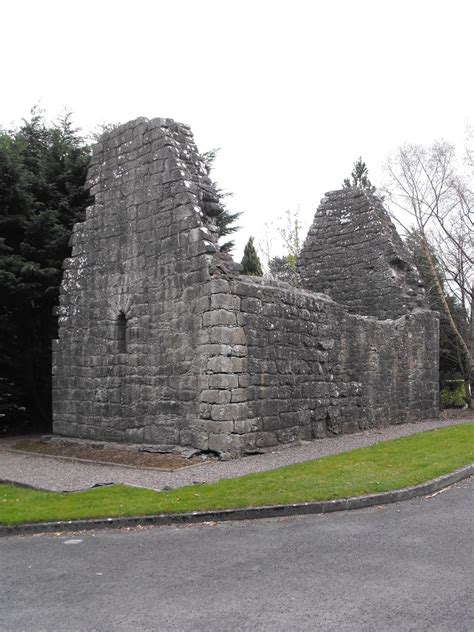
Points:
(61, 475)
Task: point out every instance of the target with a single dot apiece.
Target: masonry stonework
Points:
(162, 342)
(354, 254)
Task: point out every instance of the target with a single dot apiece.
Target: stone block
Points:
(216, 396)
(239, 395)
(243, 426)
(269, 407)
(239, 350)
(220, 427)
(197, 439)
(218, 317)
(205, 411)
(227, 335)
(225, 301)
(244, 380)
(217, 286)
(252, 305)
(271, 423)
(220, 364)
(225, 443)
(265, 439)
(134, 435)
(217, 350)
(226, 380)
(287, 435)
(161, 434)
(229, 412)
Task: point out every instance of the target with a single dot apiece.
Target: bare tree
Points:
(435, 202)
(283, 267)
(470, 146)
(290, 232)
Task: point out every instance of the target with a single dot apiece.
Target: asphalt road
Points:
(401, 567)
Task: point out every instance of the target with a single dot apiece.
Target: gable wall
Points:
(354, 254)
(143, 251)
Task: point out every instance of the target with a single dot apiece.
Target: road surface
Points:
(399, 567)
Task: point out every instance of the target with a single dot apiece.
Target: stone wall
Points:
(162, 342)
(354, 254)
(309, 369)
(126, 366)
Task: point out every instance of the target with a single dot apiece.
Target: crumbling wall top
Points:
(354, 253)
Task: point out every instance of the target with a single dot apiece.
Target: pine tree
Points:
(360, 177)
(250, 262)
(222, 217)
(42, 175)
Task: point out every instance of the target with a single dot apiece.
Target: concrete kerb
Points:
(250, 513)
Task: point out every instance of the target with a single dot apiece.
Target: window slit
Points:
(121, 333)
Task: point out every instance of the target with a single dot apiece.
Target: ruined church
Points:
(161, 340)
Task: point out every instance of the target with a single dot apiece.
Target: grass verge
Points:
(382, 467)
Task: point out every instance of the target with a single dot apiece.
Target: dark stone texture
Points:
(161, 342)
(354, 254)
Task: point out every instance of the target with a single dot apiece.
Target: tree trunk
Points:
(470, 385)
(445, 306)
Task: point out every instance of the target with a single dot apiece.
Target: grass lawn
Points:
(382, 467)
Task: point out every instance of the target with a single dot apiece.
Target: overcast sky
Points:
(293, 92)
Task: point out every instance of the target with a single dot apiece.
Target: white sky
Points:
(293, 92)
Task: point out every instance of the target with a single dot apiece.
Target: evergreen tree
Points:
(42, 175)
(250, 262)
(284, 269)
(221, 216)
(360, 177)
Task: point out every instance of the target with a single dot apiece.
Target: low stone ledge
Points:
(161, 448)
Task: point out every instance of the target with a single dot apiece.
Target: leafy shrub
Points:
(452, 396)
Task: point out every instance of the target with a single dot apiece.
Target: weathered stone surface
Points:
(161, 342)
(354, 254)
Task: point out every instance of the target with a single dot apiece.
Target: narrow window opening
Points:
(121, 333)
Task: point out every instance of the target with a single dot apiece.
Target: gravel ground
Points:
(60, 475)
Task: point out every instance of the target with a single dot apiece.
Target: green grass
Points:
(382, 467)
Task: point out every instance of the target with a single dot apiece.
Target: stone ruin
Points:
(162, 342)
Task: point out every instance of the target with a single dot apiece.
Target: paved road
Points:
(399, 567)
